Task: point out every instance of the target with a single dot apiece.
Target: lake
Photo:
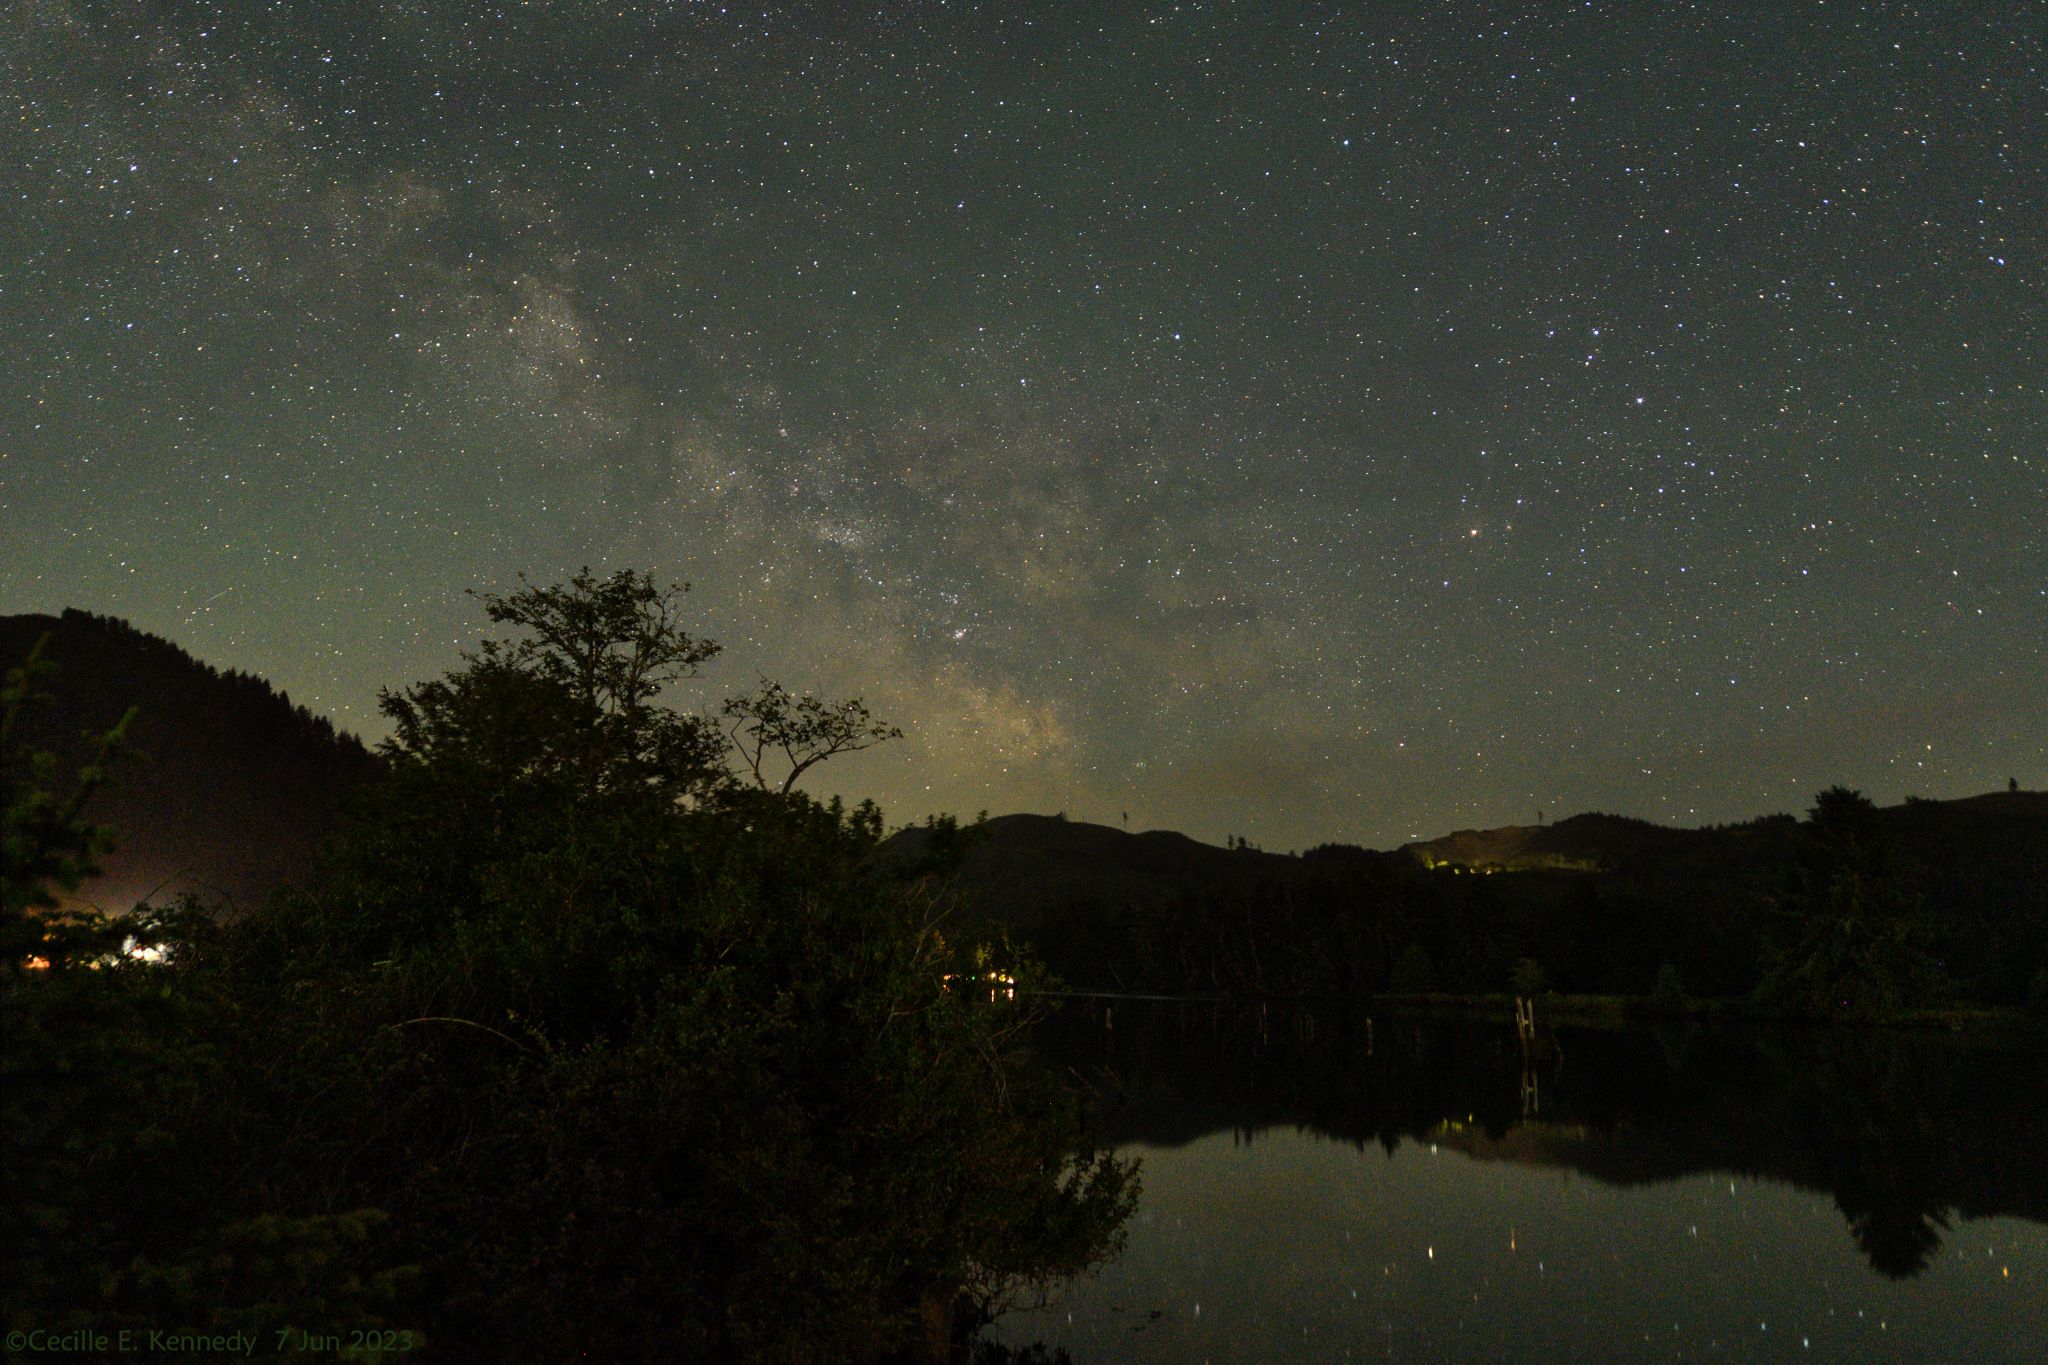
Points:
(1320, 1186)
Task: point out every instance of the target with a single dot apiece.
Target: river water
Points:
(1330, 1187)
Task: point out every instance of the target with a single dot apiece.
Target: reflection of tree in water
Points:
(1899, 1241)
(1903, 1130)
(1872, 1105)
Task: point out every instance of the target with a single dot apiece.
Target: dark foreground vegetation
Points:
(592, 1039)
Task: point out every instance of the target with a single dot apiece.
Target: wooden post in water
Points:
(1525, 1033)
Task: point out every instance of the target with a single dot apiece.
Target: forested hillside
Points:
(1955, 892)
(230, 789)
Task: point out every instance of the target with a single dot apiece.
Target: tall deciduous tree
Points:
(573, 697)
(647, 1062)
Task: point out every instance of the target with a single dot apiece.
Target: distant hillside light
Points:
(1001, 984)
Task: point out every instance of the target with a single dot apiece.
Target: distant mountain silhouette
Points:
(1019, 866)
(1614, 843)
(231, 789)
(1584, 843)
(1023, 864)
(1602, 903)
(234, 789)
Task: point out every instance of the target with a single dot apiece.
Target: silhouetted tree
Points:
(572, 697)
(1856, 946)
(1528, 978)
(574, 998)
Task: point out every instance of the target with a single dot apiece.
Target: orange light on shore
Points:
(130, 949)
(1000, 984)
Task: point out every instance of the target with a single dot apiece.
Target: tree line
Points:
(1849, 914)
(594, 1038)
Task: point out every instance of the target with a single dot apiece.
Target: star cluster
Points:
(1310, 422)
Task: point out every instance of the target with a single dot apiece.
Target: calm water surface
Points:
(1322, 1188)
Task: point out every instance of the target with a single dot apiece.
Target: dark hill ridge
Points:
(232, 787)
(1614, 843)
(1601, 903)
(1584, 843)
(1025, 863)
(237, 788)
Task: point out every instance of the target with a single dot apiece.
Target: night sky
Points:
(1310, 423)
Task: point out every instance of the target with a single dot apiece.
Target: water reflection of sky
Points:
(1294, 1247)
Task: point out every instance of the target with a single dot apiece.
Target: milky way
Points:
(1290, 421)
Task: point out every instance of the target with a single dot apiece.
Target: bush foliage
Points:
(582, 1047)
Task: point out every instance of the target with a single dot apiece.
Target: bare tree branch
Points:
(806, 729)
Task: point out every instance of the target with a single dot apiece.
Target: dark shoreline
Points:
(1593, 1011)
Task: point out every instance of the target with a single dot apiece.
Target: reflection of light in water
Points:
(1254, 1223)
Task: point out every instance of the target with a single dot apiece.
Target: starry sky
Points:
(1309, 422)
